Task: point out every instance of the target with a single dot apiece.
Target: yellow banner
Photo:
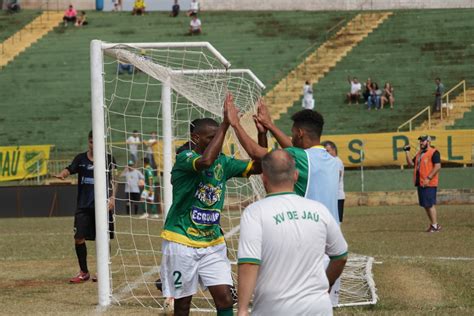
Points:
(21, 162)
(385, 149)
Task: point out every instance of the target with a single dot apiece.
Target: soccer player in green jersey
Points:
(148, 193)
(193, 243)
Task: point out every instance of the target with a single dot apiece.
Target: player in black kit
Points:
(84, 218)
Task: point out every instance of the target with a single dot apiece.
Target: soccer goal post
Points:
(146, 88)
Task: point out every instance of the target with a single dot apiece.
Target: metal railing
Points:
(410, 121)
(446, 105)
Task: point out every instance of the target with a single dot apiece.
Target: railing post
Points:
(464, 91)
(429, 118)
(410, 125)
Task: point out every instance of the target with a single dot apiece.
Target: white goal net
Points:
(145, 97)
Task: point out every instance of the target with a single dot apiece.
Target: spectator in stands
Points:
(195, 25)
(81, 20)
(133, 141)
(374, 98)
(193, 7)
(175, 9)
(387, 95)
(354, 94)
(134, 180)
(438, 94)
(139, 7)
(117, 5)
(70, 15)
(149, 153)
(308, 100)
(368, 88)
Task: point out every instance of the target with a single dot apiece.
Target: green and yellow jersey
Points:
(198, 198)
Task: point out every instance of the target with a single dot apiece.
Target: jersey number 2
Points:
(177, 279)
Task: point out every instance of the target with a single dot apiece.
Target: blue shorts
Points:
(427, 196)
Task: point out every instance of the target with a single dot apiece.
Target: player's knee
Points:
(224, 301)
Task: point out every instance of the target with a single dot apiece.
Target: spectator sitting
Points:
(195, 25)
(193, 8)
(81, 20)
(13, 7)
(175, 9)
(122, 67)
(368, 88)
(354, 94)
(374, 98)
(139, 7)
(387, 95)
(70, 15)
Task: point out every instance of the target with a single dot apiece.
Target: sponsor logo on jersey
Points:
(218, 172)
(205, 217)
(87, 180)
(208, 193)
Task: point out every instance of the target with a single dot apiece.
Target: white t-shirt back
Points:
(195, 24)
(355, 87)
(288, 236)
(132, 178)
(133, 144)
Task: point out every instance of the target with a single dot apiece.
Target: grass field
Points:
(415, 272)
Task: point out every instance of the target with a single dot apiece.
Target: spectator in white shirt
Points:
(134, 180)
(354, 94)
(341, 196)
(193, 8)
(195, 25)
(133, 141)
(308, 100)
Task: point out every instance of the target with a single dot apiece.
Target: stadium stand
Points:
(11, 23)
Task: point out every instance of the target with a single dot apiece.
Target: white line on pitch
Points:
(429, 258)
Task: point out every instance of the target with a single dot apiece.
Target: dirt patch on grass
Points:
(412, 286)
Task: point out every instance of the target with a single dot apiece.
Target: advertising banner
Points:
(22, 162)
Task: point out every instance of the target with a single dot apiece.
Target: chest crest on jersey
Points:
(208, 193)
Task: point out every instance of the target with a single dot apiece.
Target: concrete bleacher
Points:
(410, 49)
(11, 23)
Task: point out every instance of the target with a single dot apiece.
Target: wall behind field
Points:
(270, 5)
(324, 5)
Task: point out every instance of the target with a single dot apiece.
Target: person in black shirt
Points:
(84, 218)
(175, 9)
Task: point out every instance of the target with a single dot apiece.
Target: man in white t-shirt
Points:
(133, 181)
(133, 141)
(354, 94)
(195, 25)
(308, 100)
(341, 196)
(283, 240)
(193, 7)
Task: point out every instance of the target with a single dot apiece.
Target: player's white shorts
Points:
(183, 267)
(147, 196)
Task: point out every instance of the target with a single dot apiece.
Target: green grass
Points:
(409, 50)
(11, 23)
(412, 274)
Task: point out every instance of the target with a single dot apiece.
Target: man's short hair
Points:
(330, 144)
(278, 166)
(309, 120)
(135, 131)
(198, 125)
(146, 161)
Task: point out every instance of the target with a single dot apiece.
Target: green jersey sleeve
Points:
(186, 161)
(302, 165)
(237, 168)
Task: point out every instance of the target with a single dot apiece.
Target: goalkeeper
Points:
(193, 247)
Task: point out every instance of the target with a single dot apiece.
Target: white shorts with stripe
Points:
(183, 267)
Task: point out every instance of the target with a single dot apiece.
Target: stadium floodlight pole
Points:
(100, 182)
(167, 145)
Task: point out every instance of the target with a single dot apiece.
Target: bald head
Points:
(279, 169)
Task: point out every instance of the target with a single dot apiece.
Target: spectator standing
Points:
(354, 94)
(308, 100)
(117, 5)
(427, 163)
(133, 179)
(175, 9)
(133, 141)
(285, 232)
(139, 7)
(70, 16)
(387, 95)
(195, 25)
(341, 196)
(193, 7)
(438, 94)
(148, 193)
(150, 143)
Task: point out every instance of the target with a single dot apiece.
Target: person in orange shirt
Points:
(427, 163)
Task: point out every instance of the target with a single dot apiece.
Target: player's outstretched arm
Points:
(247, 279)
(231, 114)
(263, 116)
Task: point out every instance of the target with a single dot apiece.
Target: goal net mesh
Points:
(133, 80)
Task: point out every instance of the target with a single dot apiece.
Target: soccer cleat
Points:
(80, 277)
(155, 216)
(433, 229)
(143, 216)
